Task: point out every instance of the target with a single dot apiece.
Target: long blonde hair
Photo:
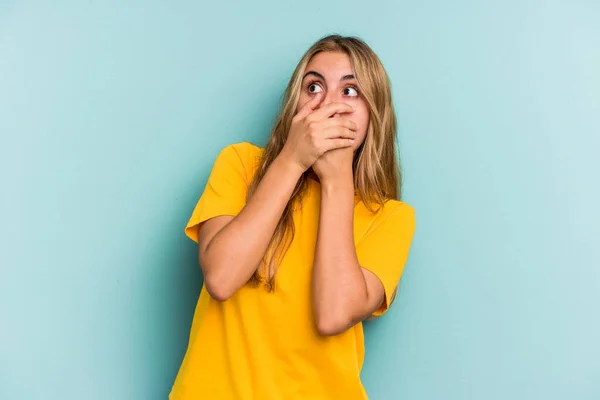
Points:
(377, 176)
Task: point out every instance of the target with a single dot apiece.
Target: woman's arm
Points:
(231, 248)
(343, 292)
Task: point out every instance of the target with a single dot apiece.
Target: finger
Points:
(339, 132)
(333, 144)
(341, 121)
(330, 109)
(309, 106)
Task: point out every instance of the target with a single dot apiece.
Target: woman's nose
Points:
(328, 98)
(331, 97)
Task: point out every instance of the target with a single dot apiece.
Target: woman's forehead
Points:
(332, 65)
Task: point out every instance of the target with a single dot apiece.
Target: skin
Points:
(343, 292)
(330, 124)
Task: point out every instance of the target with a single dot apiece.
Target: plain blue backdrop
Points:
(112, 113)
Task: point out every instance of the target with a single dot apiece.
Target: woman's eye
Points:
(314, 85)
(350, 91)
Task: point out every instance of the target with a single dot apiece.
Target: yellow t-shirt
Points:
(259, 345)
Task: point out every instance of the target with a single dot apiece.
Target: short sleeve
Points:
(225, 190)
(384, 250)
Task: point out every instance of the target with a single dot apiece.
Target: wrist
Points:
(338, 183)
(291, 168)
(341, 175)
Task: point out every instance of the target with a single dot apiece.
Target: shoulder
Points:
(395, 215)
(400, 215)
(399, 207)
(245, 156)
(244, 151)
(391, 207)
(404, 218)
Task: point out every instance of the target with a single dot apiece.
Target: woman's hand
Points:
(313, 132)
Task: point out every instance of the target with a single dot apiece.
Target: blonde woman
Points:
(300, 241)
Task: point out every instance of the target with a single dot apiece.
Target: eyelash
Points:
(317, 82)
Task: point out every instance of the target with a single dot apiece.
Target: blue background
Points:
(112, 114)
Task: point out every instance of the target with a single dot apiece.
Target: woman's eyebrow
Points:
(318, 75)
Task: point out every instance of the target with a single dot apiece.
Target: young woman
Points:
(300, 241)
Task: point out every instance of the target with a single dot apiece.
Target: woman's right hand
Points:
(313, 132)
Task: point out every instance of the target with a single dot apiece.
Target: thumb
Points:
(309, 106)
